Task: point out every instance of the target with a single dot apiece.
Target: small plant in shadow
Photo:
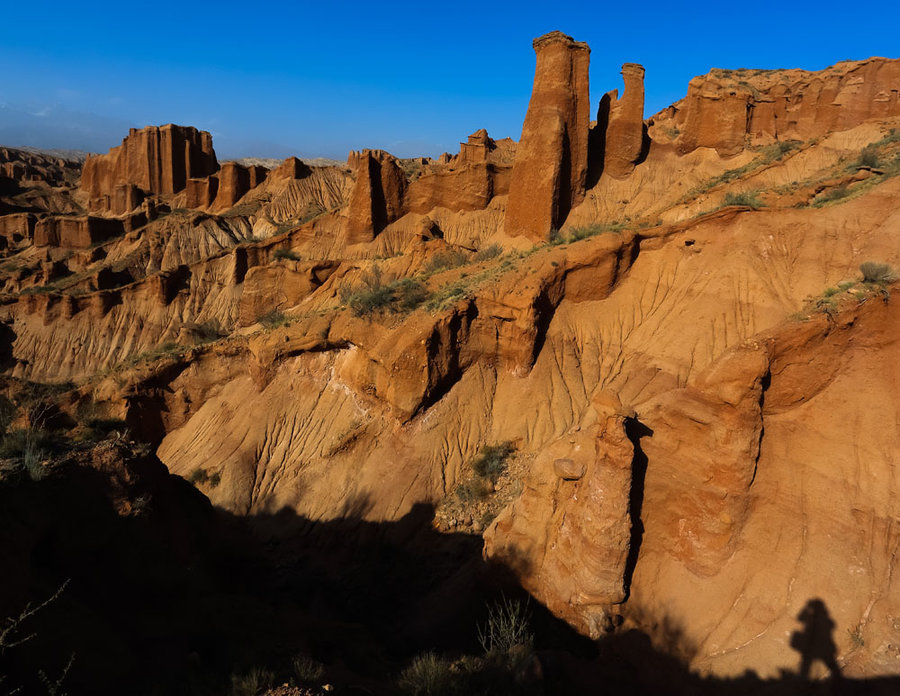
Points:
(251, 683)
(430, 675)
(307, 670)
(507, 626)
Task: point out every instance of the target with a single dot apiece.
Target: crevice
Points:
(764, 383)
(635, 430)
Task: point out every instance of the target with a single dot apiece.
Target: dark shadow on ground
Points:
(167, 595)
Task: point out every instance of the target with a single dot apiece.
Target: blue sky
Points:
(318, 79)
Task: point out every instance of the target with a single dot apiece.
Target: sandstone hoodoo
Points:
(626, 138)
(552, 157)
(631, 387)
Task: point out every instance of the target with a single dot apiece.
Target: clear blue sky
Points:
(321, 78)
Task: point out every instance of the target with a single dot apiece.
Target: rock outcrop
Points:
(377, 196)
(549, 175)
(155, 160)
(625, 124)
(730, 109)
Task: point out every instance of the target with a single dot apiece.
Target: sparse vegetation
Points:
(834, 194)
(488, 253)
(273, 319)
(876, 273)
(574, 234)
(491, 461)
(307, 670)
(446, 260)
(252, 683)
(375, 295)
(507, 626)
(286, 254)
(747, 198)
(430, 675)
(868, 157)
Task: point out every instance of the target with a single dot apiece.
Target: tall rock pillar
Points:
(549, 174)
(625, 132)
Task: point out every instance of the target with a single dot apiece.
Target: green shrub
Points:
(198, 476)
(287, 254)
(429, 675)
(874, 272)
(30, 447)
(473, 491)
(488, 253)
(868, 157)
(402, 295)
(273, 319)
(748, 198)
(446, 260)
(307, 670)
(491, 461)
(834, 194)
(507, 626)
(252, 683)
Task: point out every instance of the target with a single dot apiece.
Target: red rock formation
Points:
(200, 193)
(377, 196)
(76, 232)
(625, 129)
(291, 168)
(17, 227)
(476, 149)
(728, 109)
(469, 188)
(551, 162)
(234, 182)
(157, 160)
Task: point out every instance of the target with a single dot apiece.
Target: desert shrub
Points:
(198, 476)
(748, 198)
(448, 294)
(273, 319)
(491, 461)
(375, 295)
(8, 412)
(430, 675)
(408, 294)
(446, 260)
(834, 194)
(488, 253)
(252, 683)
(29, 447)
(868, 157)
(307, 670)
(287, 254)
(506, 627)
(830, 291)
(207, 332)
(473, 491)
(874, 272)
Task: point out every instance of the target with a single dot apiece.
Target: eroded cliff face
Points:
(699, 384)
